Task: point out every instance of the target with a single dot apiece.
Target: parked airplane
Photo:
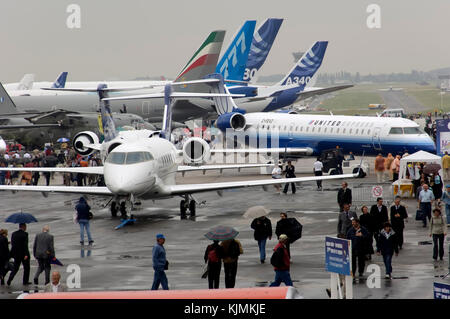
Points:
(30, 90)
(311, 134)
(143, 166)
(38, 128)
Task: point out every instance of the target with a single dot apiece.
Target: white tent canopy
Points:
(418, 157)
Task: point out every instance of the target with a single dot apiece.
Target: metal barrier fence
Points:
(367, 195)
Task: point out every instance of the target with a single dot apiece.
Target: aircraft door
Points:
(291, 130)
(376, 138)
(145, 108)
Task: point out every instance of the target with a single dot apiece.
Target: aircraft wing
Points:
(197, 188)
(274, 150)
(82, 190)
(84, 170)
(183, 169)
(320, 91)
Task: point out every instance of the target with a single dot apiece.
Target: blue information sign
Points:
(338, 255)
(441, 291)
(442, 137)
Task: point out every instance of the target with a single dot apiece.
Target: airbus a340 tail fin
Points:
(307, 66)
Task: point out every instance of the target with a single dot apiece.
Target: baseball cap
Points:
(160, 236)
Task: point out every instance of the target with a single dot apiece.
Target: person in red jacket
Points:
(280, 261)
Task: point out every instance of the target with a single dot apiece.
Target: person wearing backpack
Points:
(232, 248)
(213, 256)
(281, 263)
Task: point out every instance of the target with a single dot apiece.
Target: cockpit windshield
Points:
(122, 158)
(406, 130)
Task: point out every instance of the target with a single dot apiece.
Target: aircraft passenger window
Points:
(318, 130)
(307, 128)
(412, 130)
(396, 130)
(331, 131)
(116, 158)
(368, 132)
(343, 131)
(337, 131)
(312, 129)
(325, 130)
(350, 132)
(362, 131)
(301, 128)
(356, 132)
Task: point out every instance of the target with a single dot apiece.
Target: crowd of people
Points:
(48, 157)
(384, 227)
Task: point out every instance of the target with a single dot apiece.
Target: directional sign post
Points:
(338, 261)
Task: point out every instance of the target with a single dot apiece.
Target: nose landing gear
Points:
(188, 203)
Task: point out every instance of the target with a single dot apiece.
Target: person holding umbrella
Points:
(20, 253)
(232, 248)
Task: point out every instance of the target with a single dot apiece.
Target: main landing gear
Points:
(187, 203)
(126, 217)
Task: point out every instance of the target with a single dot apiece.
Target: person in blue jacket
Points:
(83, 210)
(159, 263)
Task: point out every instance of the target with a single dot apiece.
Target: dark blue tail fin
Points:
(109, 128)
(261, 45)
(60, 81)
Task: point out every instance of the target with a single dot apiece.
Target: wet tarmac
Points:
(121, 259)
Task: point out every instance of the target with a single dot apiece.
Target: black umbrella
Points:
(221, 233)
(432, 168)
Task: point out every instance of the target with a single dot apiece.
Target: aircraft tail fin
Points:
(60, 81)
(26, 83)
(108, 125)
(233, 62)
(307, 65)
(223, 104)
(261, 45)
(166, 129)
(202, 63)
(7, 105)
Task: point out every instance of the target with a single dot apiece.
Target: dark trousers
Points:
(438, 240)
(388, 263)
(426, 208)
(160, 278)
(358, 262)
(230, 274)
(47, 178)
(319, 183)
(282, 276)
(399, 233)
(395, 176)
(43, 265)
(26, 270)
(214, 275)
(286, 187)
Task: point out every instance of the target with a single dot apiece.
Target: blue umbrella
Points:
(55, 261)
(62, 140)
(21, 218)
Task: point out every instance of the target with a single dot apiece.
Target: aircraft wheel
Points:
(183, 208)
(113, 209)
(334, 172)
(123, 210)
(361, 174)
(192, 206)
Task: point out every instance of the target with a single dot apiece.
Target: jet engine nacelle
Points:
(196, 151)
(287, 111)
(82, 140)
(234, 120)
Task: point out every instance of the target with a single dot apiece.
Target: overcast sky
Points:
(126, 39)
